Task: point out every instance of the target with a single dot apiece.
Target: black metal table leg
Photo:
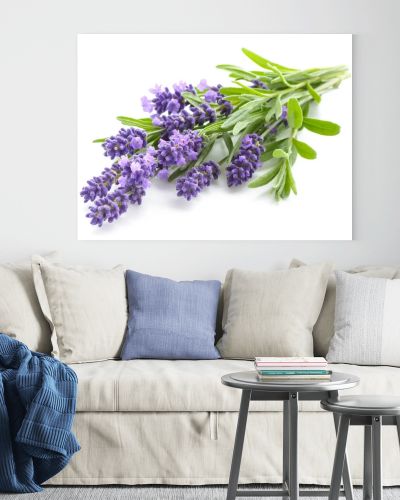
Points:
(347, 481)
(238, 447)
(377, 457)
(367, 480)
(293, 447)
(340, 454)
(285, 447)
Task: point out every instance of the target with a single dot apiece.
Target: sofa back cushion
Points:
(367, 321)
(324, 327)
(86, 310)
(170, 319)
(272, 313)
(20, 315)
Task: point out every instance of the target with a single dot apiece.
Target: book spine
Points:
(311, 365)
(293, 377)
(294, 372)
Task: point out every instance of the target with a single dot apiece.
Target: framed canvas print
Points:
(214, 137)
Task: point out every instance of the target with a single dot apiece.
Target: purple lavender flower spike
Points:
(190, 88)
(179, 149)
(284, 116)
(147, 104)
(135, 179)
(156, 89)
(173, 106)
(157, 121)
(246, 161)
(203, 113)
(259, 84)
(203, 85)
(196, 179)
(180, 87)
(273, 131)
(211, 95)
(126, 142)
(123, 162)
(167, 101)
(163, 174)
(100, 185)
(225, 107)
(177, 121)
(108, 209)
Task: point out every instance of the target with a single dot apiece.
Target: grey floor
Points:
(152, 493)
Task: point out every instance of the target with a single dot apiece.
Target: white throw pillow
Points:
(324, 327)
(86, 308)
(367, 321)
(20, 315)
(272, 313)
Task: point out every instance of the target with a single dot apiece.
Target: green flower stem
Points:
(314, 72)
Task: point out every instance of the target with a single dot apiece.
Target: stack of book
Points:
(292, 368)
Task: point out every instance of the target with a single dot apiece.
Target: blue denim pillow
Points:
(170, 319)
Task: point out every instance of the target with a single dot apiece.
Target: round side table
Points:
(290, 392)
(371, 412)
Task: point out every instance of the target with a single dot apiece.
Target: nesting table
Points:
(371, 412)
(290, 392)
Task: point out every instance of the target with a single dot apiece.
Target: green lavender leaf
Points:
(265, 178)
(246, 75)
(239, 127)
(278, 108)
(228, 143)
(264, 63)
(321, 127)
(306, 110)
(100, 140)
(243, 90)
(314, 94)
(267, 156)
(192, 99)
(270, 114)
(280, 183)
(305, 150)
(211, 128)
(270, 146)
(288, 184)
(256, 91)
(293, 157)
(236, 76)
(284, 134)
(242, 112)
(295, 113)
(280, 153)
(232, 91)
(143, 123)
(290, 178)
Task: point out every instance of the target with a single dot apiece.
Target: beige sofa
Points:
(173, 422)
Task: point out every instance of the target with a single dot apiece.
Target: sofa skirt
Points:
(195, 448)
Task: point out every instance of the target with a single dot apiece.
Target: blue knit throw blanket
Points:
(37, 406)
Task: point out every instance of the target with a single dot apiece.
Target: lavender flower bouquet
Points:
(258, 119)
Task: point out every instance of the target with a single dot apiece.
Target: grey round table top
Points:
(249, 380)
(364, 405)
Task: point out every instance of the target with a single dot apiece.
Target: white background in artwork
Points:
(114, 71)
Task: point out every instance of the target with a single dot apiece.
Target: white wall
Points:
(38, 127)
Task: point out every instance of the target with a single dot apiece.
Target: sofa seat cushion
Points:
(174, 386)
